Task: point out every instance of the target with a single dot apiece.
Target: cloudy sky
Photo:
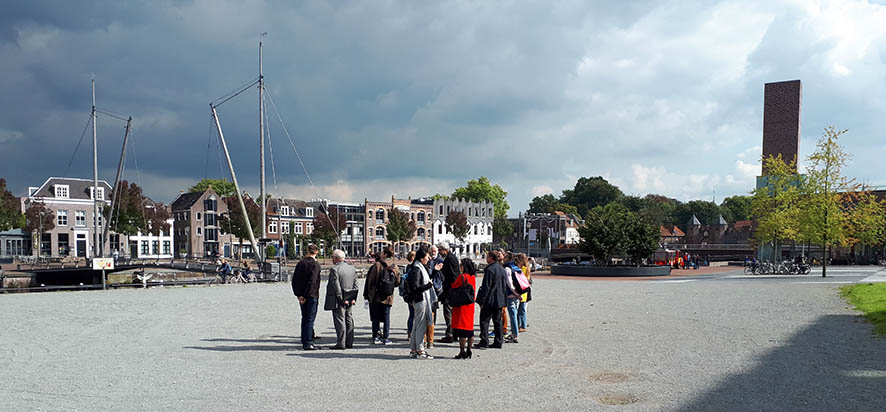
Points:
(415, 98)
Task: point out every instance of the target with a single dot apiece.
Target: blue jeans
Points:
(521, 315)
(512, 316)
(308, 314)
(378, 313)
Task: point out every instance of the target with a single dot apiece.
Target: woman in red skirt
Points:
(463, 316)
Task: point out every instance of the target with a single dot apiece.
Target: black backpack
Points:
(386, 282)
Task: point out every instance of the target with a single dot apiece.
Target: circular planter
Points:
(610, 271)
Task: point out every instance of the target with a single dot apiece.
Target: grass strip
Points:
(870, 299)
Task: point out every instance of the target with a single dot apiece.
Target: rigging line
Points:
(218, 103)
(139, 179)
(271, 147)
(208, 146)
(110, 114)
(302, 163)
(88, 122)
(247, 84)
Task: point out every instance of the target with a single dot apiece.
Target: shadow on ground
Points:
(834, 364)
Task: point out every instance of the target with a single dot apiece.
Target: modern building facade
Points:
(353, 241)
(71, 203)
(479, 216)
(15, 242)
(420, 211)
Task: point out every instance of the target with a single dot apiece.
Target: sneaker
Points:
(522, 330)
(425, 355)
(377, 341)
(388, 342)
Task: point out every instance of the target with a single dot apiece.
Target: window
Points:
(369, 215)
(272, 227)
(421, 218)
(92, 219)
(298, 228)
(380, 216)
(199, 231)
(484, 212)
(309, 212)
(167, 247)
(210, 204)
(475, 230)
(61, 191)
(421, 234)
(380, 233)
(284, 210)
(62, 218)
(440, 229)
(284, 227)
(211, 234)
(101, 193)
(145, 250)
(209, 219)
(310, 228)
(80, 218)
(155, 247)
(199, 216)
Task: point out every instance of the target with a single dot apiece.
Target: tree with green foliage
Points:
(38, 218)
(223, 187)
(270, 251)
(400, 228)
(824, 218)
(457, 224)
(775, 203)
(501, 228)
(134, 212)
(738, 207)
(10, 208)
(707, 212)
(543, 204)
(659, 210)
(590, 192)
(290, 240)
(613, 230)
(867, 219)
(483, 190)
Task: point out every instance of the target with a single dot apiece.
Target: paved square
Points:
(652, 346)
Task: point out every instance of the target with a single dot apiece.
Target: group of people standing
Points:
(434, 279)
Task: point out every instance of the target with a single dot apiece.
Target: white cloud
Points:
(540, 190)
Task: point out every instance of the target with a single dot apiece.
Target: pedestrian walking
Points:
(463, 315)
(492, 298)
(381, 281)
(420, 290)
(341, 296)
(306, 287)
(450, 272)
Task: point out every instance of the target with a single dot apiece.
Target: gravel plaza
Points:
(610, 346)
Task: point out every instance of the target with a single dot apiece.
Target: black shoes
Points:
(495, 346)
(310, 347)
(446, 340)
(336, 347)
(482, 345)
(468, 354)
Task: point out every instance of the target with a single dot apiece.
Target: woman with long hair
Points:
(463, 316)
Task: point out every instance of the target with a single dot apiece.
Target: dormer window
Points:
(284, 210)
(61, 191)
(101, 193)
(309, 212)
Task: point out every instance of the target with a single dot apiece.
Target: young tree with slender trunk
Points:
(775, 204)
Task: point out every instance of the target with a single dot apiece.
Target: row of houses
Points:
(195, 228)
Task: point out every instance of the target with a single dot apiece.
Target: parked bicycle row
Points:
(797, 266)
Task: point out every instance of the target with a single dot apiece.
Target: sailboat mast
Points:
(95, 214)
(115, 191)
(261, 144)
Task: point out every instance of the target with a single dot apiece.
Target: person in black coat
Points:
(450, 272)
(491, 297)
(306, 287)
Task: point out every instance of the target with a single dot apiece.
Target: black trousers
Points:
(447, 317)
(494, 314)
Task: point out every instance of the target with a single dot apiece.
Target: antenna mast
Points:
(95, 212)
(261, 144)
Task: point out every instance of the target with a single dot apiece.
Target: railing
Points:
(710, 246)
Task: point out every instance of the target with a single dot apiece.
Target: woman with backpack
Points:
(381, 281)
(419, 292)
(464, 288)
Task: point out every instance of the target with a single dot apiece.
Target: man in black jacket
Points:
(450, 273)
(306, 287)
(491, 297)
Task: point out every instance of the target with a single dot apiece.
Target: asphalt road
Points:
(719, 343)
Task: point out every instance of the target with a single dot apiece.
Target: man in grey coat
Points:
(341, 296)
